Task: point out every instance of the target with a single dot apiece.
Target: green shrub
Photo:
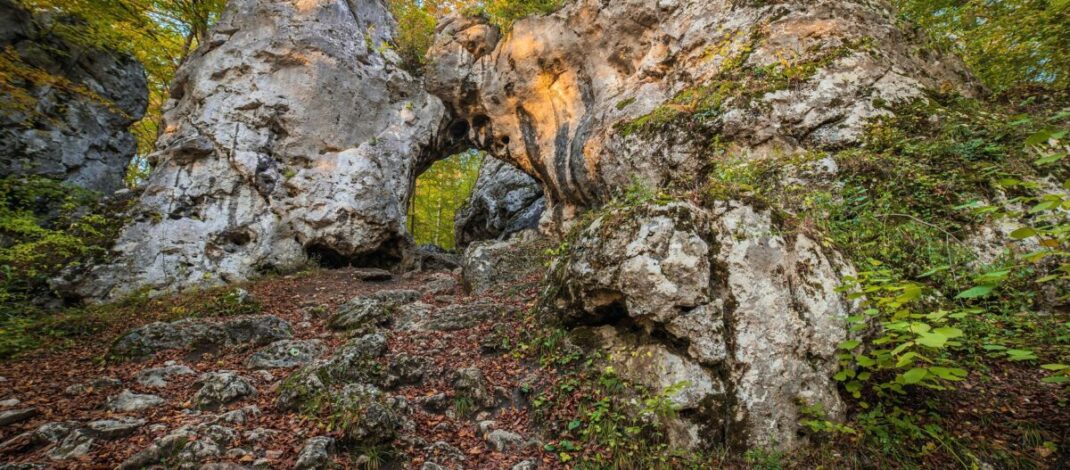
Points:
(415, 34)
(506, 12)
(46, 227)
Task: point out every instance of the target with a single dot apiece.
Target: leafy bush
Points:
(506, 12)
(1007, 43)
(415, 34)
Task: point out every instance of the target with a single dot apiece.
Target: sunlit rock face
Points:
(552, 94)
(75, 129)
(291, 135)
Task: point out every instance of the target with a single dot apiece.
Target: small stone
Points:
(128, 401)
(236, 454)
(8, 417)
(437, 403)
(439, 284)
(106, 382)
(485, 427)
(240, 416)
(367, 346)
(221, 388)
(405, 369)
(75, 390)
(10, 403)
(470, 383)
(525, 465)
(372, 274)
(285, 354)
(462, 316)
(442, 452)
(157, 377)
(110, 429)
(501, 440)
(259, 435)
(368, 312)
(316, 454)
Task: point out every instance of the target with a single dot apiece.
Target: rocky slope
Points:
(324, 375)
(74, 126)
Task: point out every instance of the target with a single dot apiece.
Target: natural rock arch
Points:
(292, 133)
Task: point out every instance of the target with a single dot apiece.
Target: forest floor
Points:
(1002, 415)
(41, 380)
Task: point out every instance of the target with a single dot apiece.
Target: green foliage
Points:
(415, 34)
(616, 424)
(900, 342)
(35, 330)
(440, 192)
(45, 227)
(504, 13)
(1008, 43)
(905, 207)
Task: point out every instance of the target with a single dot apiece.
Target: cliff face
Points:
(75, 126)
(564, 96)
(293, 135)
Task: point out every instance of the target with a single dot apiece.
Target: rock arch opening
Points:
(439, 192)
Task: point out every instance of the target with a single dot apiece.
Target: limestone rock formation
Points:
(504, 201)
(291, 135)
(724, 301)
(76, 129)
(562, 95)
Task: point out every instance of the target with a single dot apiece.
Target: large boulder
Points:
(504, 201)
(238, 332)
(745, 314)
(75, 126)
(562, 96)
(291, 136)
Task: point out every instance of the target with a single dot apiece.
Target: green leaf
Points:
(1055, 367)
(934, 271)
(949, 373)
(1039, 137)
(932, 340)
(1050, 158)
(1055, 379)
(848, 345)
(975, 292)
(949, 332)
(914, 375)
(1023, 233)
(1021, 355)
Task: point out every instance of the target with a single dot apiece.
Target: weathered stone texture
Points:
(78, 128)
